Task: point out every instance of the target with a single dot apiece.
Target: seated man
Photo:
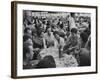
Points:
(72, 41)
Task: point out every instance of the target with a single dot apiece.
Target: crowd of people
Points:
(70, 35)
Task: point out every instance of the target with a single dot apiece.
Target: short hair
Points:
(61, 25)
(74, 30)
(26, 37)
(43, 22)
(47, 28)
(84, 37)
(87, 31)
(47, 62)
(72, 14)
(48, 23)
(26, 29)
(55, 32)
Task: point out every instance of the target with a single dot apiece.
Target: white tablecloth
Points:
(65, 61)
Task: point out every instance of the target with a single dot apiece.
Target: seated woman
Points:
(58, 41)
(48, 36)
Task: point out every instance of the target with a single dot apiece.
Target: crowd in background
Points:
(70, 34)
